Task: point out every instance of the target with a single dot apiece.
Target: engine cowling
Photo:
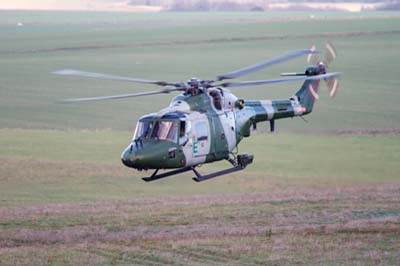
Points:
(312, 71)
(319, 69)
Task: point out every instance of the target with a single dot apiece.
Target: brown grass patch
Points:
(283, 227)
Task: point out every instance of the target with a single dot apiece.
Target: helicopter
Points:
(206, 122)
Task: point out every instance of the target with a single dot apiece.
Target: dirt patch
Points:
(247, 228)
(367, 131)
(356, 195)
(208, 41)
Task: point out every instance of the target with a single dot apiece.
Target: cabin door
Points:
(201, 138)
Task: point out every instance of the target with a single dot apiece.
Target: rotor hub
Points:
(194, 83)
(322, 68)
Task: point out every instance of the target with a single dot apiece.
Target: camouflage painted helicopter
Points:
(206, 122)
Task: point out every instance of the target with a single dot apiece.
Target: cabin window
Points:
(201, 131)
(216, 95)
(182, 129)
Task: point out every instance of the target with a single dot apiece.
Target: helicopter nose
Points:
(128, 156)
(135, 156)
(152, 155)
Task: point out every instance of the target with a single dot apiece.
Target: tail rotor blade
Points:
(312, 57)
(313, 90)
(333, 86)
(330, 53)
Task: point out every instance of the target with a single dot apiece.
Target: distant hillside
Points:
(260, 5)
(201, 5)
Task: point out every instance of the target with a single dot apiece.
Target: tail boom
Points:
(255, 111)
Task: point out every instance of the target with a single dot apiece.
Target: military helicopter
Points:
(206, 122)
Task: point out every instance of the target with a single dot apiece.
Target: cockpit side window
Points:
(172, 131)
(165, 130)
(182, 129)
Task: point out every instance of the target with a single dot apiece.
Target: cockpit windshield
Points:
(159, 130)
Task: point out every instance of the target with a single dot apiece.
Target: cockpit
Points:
(158, 130)
(166, 128)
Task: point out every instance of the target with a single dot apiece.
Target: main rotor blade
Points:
(274, 81)
(72, 72)
(120, 96)
(265, 64)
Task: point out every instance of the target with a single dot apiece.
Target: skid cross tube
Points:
(241, 163)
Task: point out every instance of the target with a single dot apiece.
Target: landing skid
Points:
(154, 176)
(200, 177)
(240, 164)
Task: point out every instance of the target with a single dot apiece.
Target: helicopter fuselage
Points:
(200, 128)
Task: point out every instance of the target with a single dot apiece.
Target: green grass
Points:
(40, 166)
(145, 48)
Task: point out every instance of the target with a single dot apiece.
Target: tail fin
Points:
(307, 94)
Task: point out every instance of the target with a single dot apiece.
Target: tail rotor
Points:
(323, 62)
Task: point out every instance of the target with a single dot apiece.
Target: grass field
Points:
(81, 207)
(325, 192)
(171, 47)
